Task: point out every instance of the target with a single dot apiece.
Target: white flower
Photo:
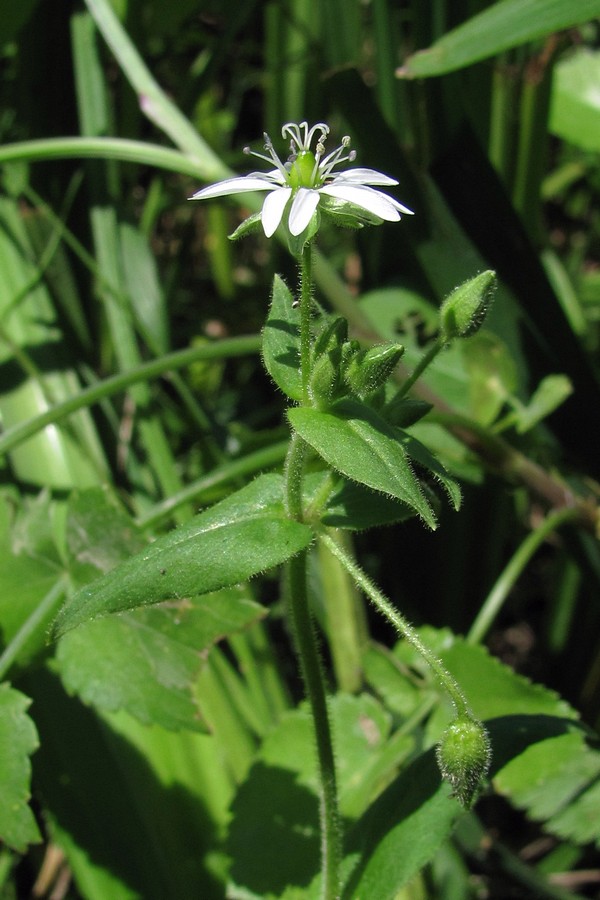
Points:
(306, 181)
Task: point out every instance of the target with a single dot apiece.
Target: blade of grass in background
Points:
(508, 23)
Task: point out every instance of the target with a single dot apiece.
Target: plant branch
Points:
(404, 629)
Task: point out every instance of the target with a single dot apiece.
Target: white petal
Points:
(272, 209)
(363, 176)
(303, 207)
(275, 175)
(234, 186)
(373, 201)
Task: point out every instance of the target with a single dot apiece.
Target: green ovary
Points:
(301, 173)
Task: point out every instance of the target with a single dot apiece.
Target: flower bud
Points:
(325, 380)
(462, 313)
(464, 755)
(368, 370)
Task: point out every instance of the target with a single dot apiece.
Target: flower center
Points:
(303, 170)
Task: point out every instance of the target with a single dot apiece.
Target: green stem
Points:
(511, 573)
(305, 315)
(33, 627)
(312, 673)
(293, 473)
(303, 627)
(404, 629)
(430, 354)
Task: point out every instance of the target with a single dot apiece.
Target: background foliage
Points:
(146, 755)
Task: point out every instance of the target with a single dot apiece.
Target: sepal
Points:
(248, 226)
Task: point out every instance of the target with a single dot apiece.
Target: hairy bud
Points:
(464, 756)
(462, 313)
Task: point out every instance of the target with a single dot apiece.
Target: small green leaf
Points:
(147, 661)
(18, 740)
(551, 392)
(242, 536)
(357, 442)
(281, 341)
(575, 102)
(508, 23)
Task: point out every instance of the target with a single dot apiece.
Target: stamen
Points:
(335, 158)
(272, 158)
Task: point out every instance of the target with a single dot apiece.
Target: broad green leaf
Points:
(548, 776)
(278, 850)
(99, 534)
(147, 661)
(392, 681)
(575, 100)
(401, 832)
(541, 759)
(350, 505)
(358, 508)
(492, 689)
(356, 441)
(556, 782)
(281, 341)
(242, 536)
(18, 740)
(505, 24)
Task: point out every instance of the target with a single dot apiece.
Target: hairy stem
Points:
(305, 314)
(304, 632)
(404, 629)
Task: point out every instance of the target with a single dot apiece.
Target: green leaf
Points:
(242, 536)
(421, 455)
(18, 740)
(278, 850)
(542, 761)
(551, 392)
(358, 508)
(100, 534)
(508, 23)
(556, 781)
(357, 442)
(575, 103)
(147, 661)
(401, 832)
(492, 689)
(281, 341)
